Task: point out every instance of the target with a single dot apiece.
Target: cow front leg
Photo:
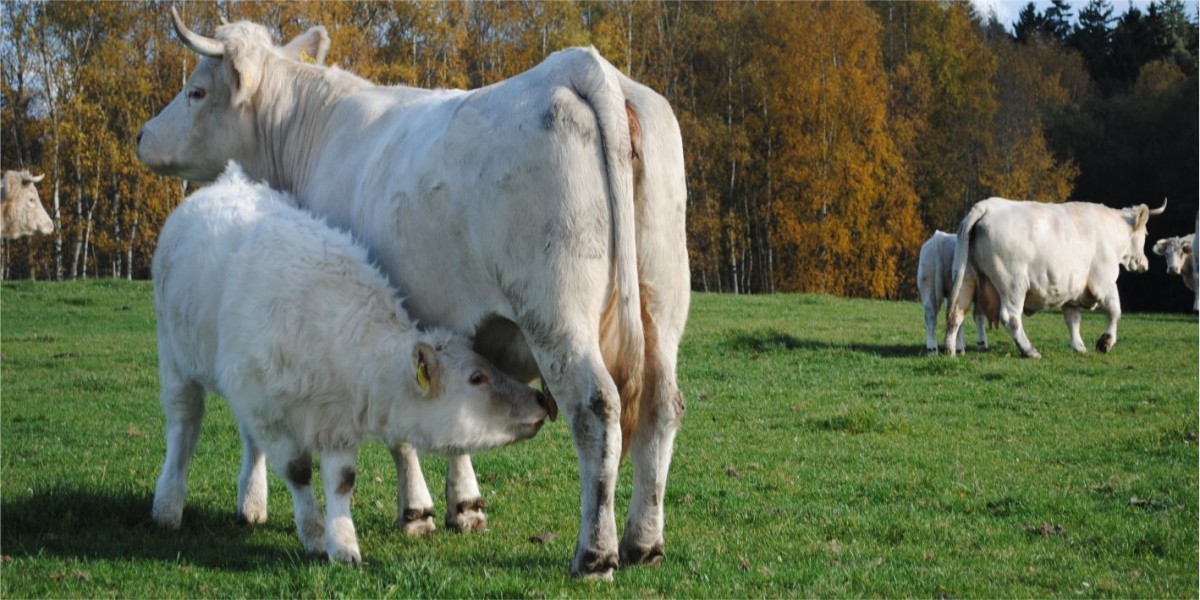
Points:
(653, 444)
(414, 505)
(183, 407)
(464, 504)
(1072, 317)
(252, 481)
(295, 466)
(338, 472)
(1111, 305)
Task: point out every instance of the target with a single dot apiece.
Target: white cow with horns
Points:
(542, 215)
(1040, 255)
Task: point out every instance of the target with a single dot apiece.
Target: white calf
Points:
(1180, 259)
(284, 317)
(935, 279)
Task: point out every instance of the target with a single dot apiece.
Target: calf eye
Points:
(196, 94)
(478, 378)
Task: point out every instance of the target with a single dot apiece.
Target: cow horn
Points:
(1159, 210)
(31, 179)
(194, 41)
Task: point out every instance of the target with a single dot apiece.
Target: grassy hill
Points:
(822, 454)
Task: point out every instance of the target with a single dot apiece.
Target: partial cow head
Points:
(213, 119)
(21, 210)
(1176, 250)
(459, 403)
(1134, 259)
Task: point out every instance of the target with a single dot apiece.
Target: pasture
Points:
(822, 454)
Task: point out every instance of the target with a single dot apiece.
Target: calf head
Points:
(21, 210)
(1134, 258)
(213, 119)
(453, 401)
(1176, 250)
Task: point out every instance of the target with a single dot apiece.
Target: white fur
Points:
(285, 317)
(507, 213)
(21, 210)
(1040, 255)
(935, 280)
(1179, 252)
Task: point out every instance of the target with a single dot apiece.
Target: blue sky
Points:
(1007, 10)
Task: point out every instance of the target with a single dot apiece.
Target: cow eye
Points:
(196, 94)
(478, 378)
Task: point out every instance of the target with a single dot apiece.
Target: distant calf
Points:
(284, 317)
(1180, 261)
(21, 210)
(935, 278)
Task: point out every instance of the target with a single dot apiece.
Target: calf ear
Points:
(1160, 246)
(426, 369)
(245, 66)
(1187, 244)
(312, 46)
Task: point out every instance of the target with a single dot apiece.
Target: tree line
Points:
(824, 141)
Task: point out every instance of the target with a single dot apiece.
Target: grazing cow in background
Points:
(935, 278)
(1040, 256)
(285, 317)
(21, 210)
(1180, 260)
(543, 216)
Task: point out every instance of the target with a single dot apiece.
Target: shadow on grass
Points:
(773, 340)
(75, 523)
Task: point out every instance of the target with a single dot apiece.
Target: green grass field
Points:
(822, 455)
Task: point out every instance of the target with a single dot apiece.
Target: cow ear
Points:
(1143, 215)
(1187, 244)
(1160, 246)
(310, 47)
(426, 369)
(245, 67)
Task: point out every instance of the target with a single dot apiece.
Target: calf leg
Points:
(252, 481)
(1071, 316)
(980, 327)
(464, 505)
(295, 466)
(338, 472)
(183, 407)
(1111, 305)
(931, 310)
(414, 505)
(653, 442)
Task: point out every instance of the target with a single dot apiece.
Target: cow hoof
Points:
(251, 517)
(982, 347)
(467, 516)
(590, 565)
(635, 556)
(1032, 353)
(931, 351)
(349, 555)
(417, 522)
(1105, 343)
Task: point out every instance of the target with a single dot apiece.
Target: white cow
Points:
(1039, 256)
(542, 215)
(935, 278)
(1180, 260)
(21, 211)
(284, 316)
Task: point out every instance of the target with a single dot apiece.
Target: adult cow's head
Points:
(1134, 259)
(21, 210)
(213, 119)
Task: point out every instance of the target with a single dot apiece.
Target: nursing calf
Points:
(284, 317)
(935, 278)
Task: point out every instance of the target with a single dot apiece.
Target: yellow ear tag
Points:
(422, 376)
(247, 79)
(306, 59)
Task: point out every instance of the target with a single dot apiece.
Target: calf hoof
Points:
(347, 554)
(467, 516)
(1105, 343)
(591, 565)
(1031, 353)
(982, 347)
(417, 522)
(166, 518)
(634, 556)
(252, 517)
(931, 351)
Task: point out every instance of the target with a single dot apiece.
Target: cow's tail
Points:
(622, 336)
(962, 253)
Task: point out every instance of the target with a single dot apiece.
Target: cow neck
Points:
(292, 126)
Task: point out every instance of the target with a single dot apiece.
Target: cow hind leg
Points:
(338, 473)
(296, 468)
(956, 312)
(414, 504)
(1010, 315)
(464, 504)
(252, 481)
(183, 407)
(661, 409)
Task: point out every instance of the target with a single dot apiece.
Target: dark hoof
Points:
(591, 565)
(650, 557)
(468, 516)
(417, 522)
(1105, 343)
